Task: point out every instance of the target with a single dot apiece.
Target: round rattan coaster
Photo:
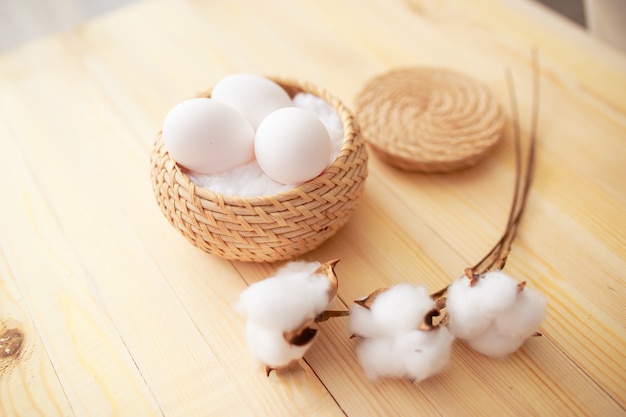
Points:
(429, 119)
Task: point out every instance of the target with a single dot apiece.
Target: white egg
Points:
(292, 145)
(254, 96)
(207, 136)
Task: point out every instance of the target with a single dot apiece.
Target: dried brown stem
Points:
(497, 256)
(329, 314)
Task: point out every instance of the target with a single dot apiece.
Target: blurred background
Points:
(24, 20)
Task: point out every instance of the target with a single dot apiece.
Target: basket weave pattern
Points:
(265, 228)
(429, 119)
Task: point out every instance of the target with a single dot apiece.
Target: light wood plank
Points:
(78, 344)
(29, 384)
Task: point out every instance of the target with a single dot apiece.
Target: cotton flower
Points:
(524, 317)
(474, 305)
(284, 301)
(416, 354)
(399, 339)
(281, 311)
(492, 343)
(496, 314)
(395, 310)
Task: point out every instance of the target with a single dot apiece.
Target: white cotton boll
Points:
(466, 319)
(307, 285)
(495, 292)
(511, 328)
(244, 181)
(377, 358)
(327, 114)
(398, 309)
(473, 308)
(493, 315)
(393, 345)
(360, 323)
(523, 318)
(288, 299)
(417, 354)
(269, 346)
(424, 353)
(297, 267)
(492, 343)
(401, 308)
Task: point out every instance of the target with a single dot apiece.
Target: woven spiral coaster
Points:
(429, 119)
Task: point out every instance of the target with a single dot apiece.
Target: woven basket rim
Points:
(349, 131)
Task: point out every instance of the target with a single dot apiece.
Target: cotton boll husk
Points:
(523, 318)
(401, 308)
(269, 346)
(288, 299)
(424, 353)
(467, 320)
(492, 343)
(495, 292)
(377, 358)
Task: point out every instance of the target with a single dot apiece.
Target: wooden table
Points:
(122, 316)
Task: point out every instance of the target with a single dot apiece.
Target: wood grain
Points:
(122, 316)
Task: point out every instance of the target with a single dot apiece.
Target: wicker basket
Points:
(266, 228)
